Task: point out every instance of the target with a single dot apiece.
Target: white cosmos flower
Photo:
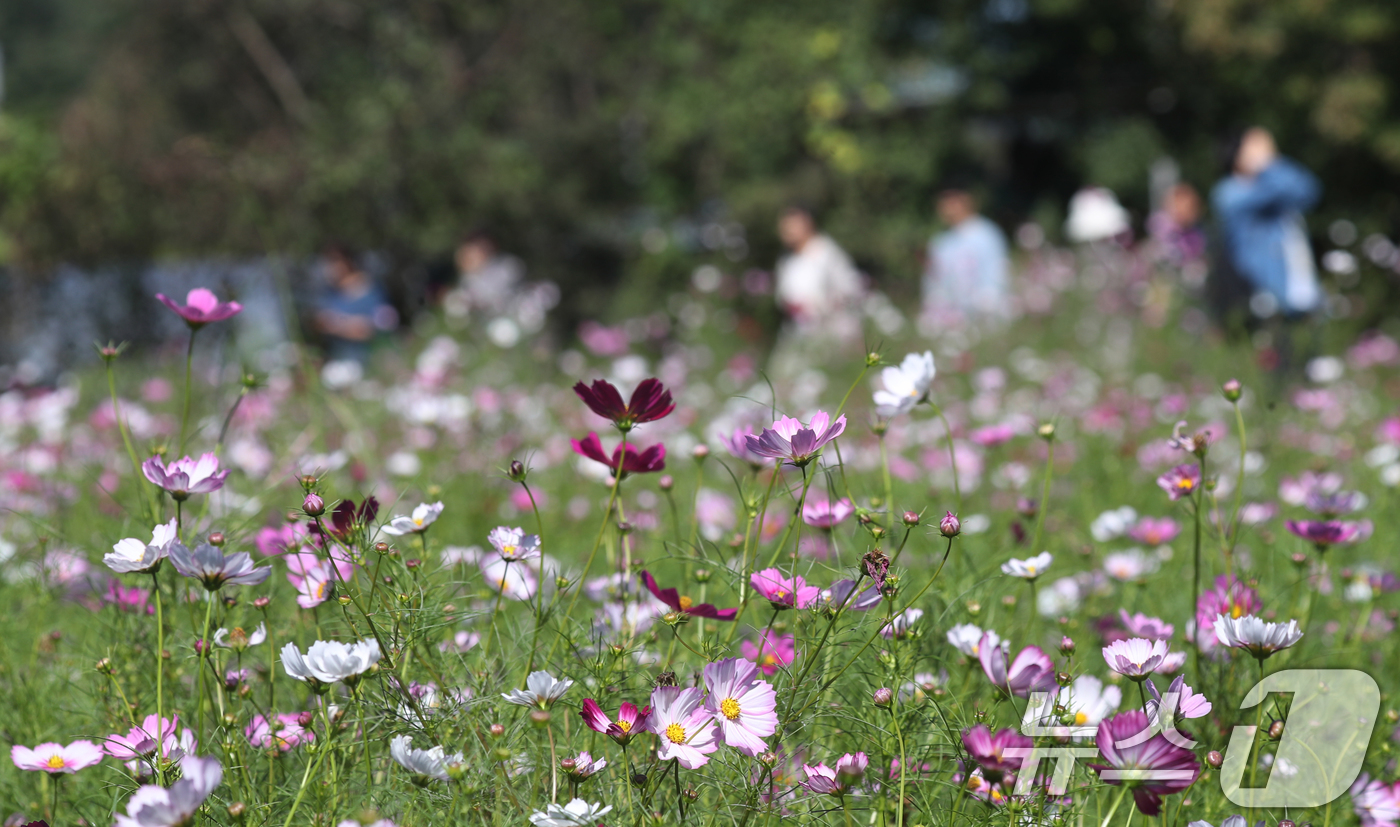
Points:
(905, 385)
(432, 763)
(240, 639)
(134, 556)
(577, 813)
(514, 543)
(1113, 524)
(965, 637)
(1255, 635)
(423, 516)
(901, 624)
(152, 806)
(1028, 569)
(1136, 657)
(330, 661)
(541, 689)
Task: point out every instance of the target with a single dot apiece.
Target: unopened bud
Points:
(910, 518)
(624, 527)
(1064, 678)
(1231, 389)
(306, 718)
(1215, 759)
(768, 758)
(883, 696)
(540, 717)
(1046, 431)
(497, 730)
(950, 525)
(381, 547)
(261, 602)
(1066, 646)
(516, 472)
(568, 765)
(237, 809)
(639, 780)
(1299, 559)
(1276, 730)
(872, 359)
(104, 666)
(313, 505)
(308, 482)
(699, 452)
(690, 793)
(216, 539)
(1286, 823)
(702, 575)
(412, 563)
(667, 678)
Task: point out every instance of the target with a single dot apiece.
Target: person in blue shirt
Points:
(352, 309)
(966, 268)
(1260, 207)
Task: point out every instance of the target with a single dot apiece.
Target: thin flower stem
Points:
(160, 666)
(204, 653)
(889, 486)
(553, 767)
(1196, 560)
(185, 417)
(748, 534)
(903, 757)
(1044, 495)
(364, 735)
(1234, 527)
(952, 454)
(598, 540)
(126, 441)
(301, 791)
(796, 519)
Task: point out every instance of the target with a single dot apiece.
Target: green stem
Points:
(301, 791)
(204, 653)
(185, 417)
(1234, 526)
(1044, 495)
(160, 669)
(889, 485)
(952, 454)
(1108, 819)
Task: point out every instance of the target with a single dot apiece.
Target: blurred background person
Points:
(1259, 207)
(487, 278)
(352, 308)
(818, 284)
(966, 268)
(1176, 226)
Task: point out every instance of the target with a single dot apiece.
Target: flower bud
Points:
(1066, 646)
(1064, 678)
(497, 730)
(313, 505)
(517, 471)
(344, 599)
(568, 765)
(1276, 730)
(624, 527)
(540, 717)
(1231, 389)
(883, 696)
(699, 452)
(768, 758)
(1286, 823)
(878, 532)
(104, 666)
(199, 646)
(691, 794)
(702, 575)
(306, 718)
(237, 809)
(667, 678)
(950, 525)
(381, 547)
(910, 518)
(1299, 559)
(639, 780)
(872, 359)
(1215, 759)
(261, 602)
(979, 716)
(308, 482)
(412, 563)
(216, 539)
(1046, 431)
(666, 483)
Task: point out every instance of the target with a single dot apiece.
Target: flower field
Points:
(1023, 572)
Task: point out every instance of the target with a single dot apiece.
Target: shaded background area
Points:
(614, 146)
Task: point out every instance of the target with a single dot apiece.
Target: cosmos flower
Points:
(1327, 533)
(1140, 625)
(186, 476)
(424, 515)
(650, 402)
(1131, 565)
(515, 582)
(686, 730)
(136, 557)
(1189, 703)
(1155, 531)
(736, 443)
(1028, 569)
(57, 758)
(839, 596)
(1090, 701)
(315, 579)
(967, 638)
(583, 766)
(152, 806)
(211, 567)
(783, 592)
(906, 385)
(201, 307)
(238, 640)
(629, 721)
(901, 625)
(328, 661)
(1229, 597)
(577, 813)
(139, 745)
(680, 603)
(822, 513)
(1135, 658)
(289, 733)
(1113, 524)
(541, 690)
(1031, 671)
(1151, 769)
(835, 781)
(797, 444)
(514, 543)
(649, 461)
(429, 763)
(988, 750)
(772, 652)
(744, 707)
(1255, 635)
(1334, 504)
(1181, 481)
(1376, 803)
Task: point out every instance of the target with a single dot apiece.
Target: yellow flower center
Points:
(730, 708)
(55, 762)
(625, 726)
(1235, 611)
(1030, 570)
(686, 602)
(780, 594)
(770, 659)
(508, 551)
(1185, 484)
(675, 733)
(1080, 719)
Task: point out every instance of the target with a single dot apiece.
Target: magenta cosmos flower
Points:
(1229, 597)
(1181, 481)
(744, 707)
(1151, 767)
(1154, 531)
(988, 750)
(1031, 671)
(629, 721)
(837, 780)
(825, 514)
(649, 461)
(202, 307)
(782, 592)
(1140, 625)
(186, 476)
(650, 402)
(680, 603)
(56, 758)
(1327, 533)
(791, 441)
(771, 653)
(139, 744)
(685, 729)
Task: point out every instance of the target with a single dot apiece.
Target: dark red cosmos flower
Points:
(650, 402)
(649, 461)
(346, 516)
(673, 598)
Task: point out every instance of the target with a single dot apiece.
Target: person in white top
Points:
(817, 281)
(967, 263)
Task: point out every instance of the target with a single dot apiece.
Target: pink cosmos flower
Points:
(515, 582)
(582, 766)
(782, 592)
(1376, 803)
(138, 747)
(835, 781)
(186, 476)
(1229, 597)
(1031, 671)
(686, 731)
(1181, 481)
(1135, 658)
(1151, 769)
(56, 758)
(271, 541)
(315, 579)
(202, 307)
(629, 721)
(822, 513)
(737, 444)
(744, 707)
(1140, 625)
(1183, 701)
(792, 442)
(993, 435)
(771, 653)
(1327, 533)
(988, 750)
(152, 806)
(215, 570)
(289, 733)
(678, 602)
(1155, 531)
(128, 598)
(650, 461)
(1295, 490)
(514, 543)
